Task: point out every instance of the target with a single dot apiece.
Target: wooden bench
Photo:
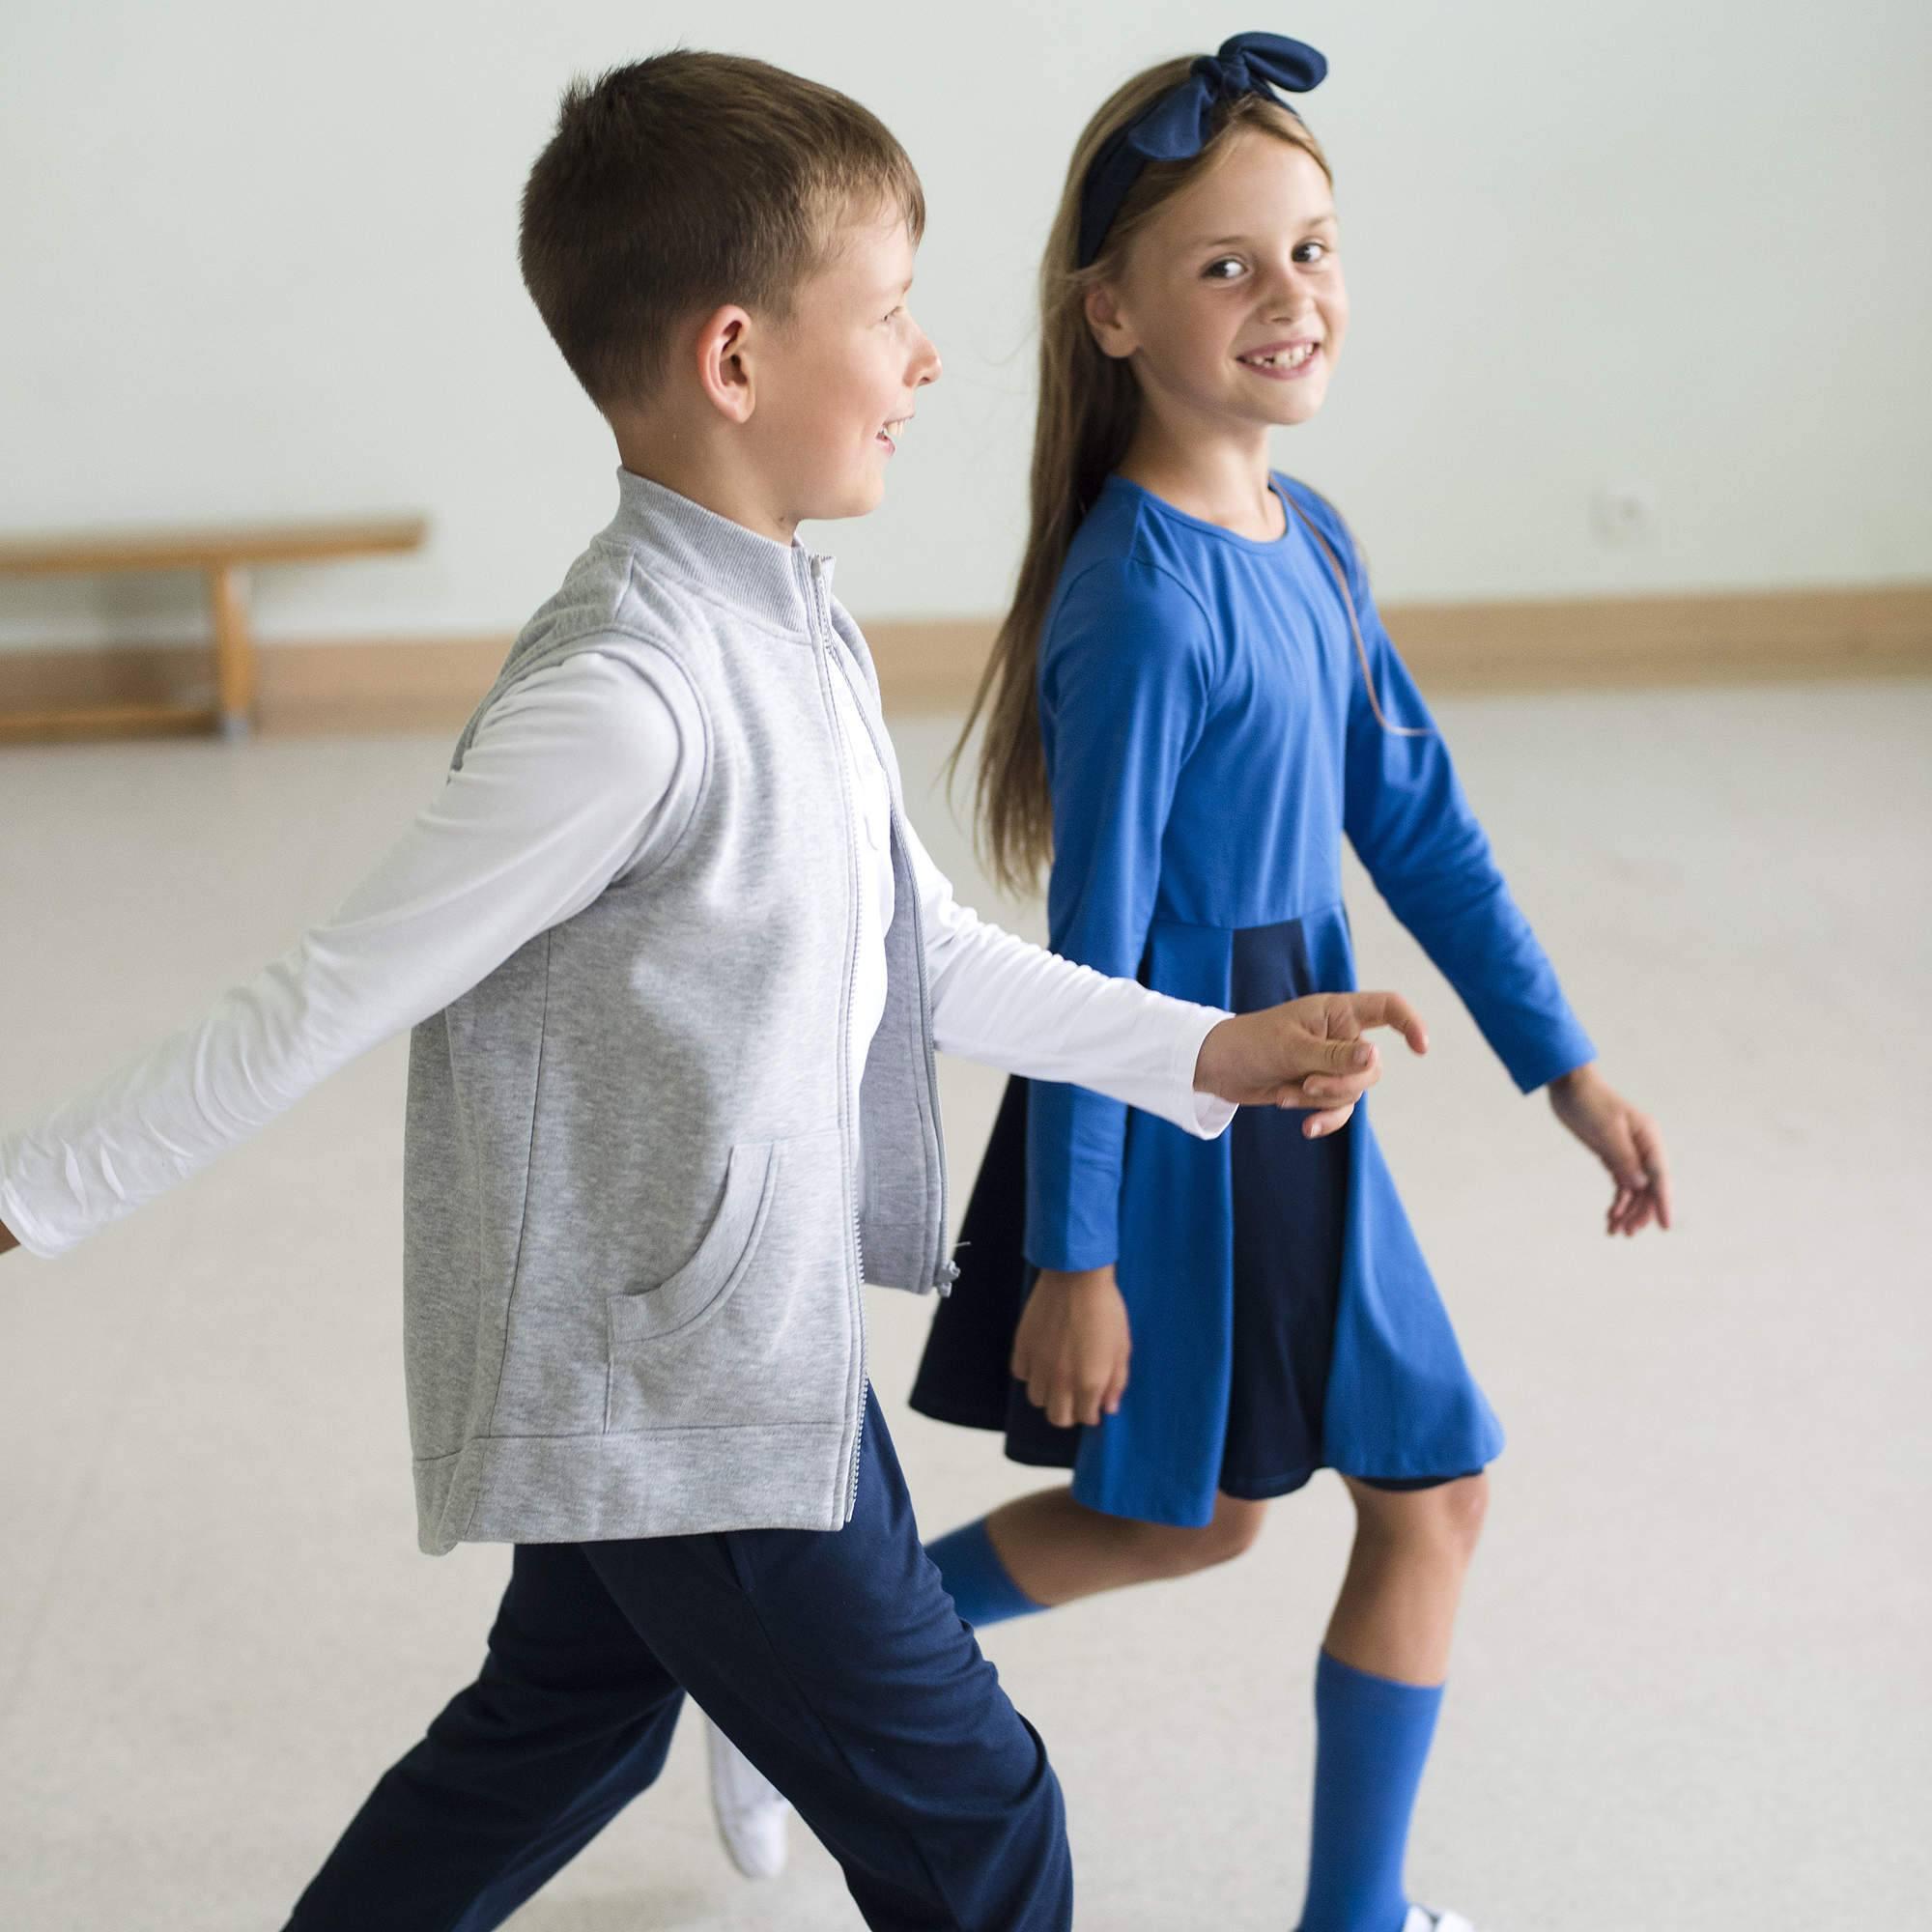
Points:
(222, 555)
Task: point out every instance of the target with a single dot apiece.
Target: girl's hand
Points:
(1305, 1053)
(1073, 1346)
(1624, 1139)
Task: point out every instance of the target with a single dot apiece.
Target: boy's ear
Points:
(723, 350)
(1109, 328)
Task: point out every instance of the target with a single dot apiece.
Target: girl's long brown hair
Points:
(1089, 411)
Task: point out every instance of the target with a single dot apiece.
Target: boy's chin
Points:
(856, 496)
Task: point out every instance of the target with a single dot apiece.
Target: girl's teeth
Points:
(1292, 357)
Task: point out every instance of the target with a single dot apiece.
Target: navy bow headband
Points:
(1178, 124)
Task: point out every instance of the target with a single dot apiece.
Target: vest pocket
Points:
(706, 1281)
(760, 1327)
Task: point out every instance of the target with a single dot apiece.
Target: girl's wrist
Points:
(1067, 1277)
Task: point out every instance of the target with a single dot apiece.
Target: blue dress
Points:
(1209, 740)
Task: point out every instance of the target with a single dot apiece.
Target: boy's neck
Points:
(689, 466)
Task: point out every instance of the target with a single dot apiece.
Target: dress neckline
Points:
(1178, 515)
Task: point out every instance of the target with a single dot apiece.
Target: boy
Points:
(677, 966)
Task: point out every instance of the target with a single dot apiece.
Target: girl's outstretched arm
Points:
(1626, 1143)
(1408, 817)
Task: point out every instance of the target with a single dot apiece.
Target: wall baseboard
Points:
(1544, 644)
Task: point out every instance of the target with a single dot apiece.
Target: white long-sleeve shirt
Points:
(579, 775)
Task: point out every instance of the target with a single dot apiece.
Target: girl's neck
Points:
(1218, 479)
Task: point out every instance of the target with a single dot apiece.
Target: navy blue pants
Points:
(835, 1661)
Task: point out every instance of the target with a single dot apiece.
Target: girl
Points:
(1190, 702)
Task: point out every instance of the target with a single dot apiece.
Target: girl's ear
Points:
(1110, 328)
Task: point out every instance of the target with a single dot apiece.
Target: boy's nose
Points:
(927, 369)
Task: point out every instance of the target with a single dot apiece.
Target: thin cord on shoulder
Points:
(1354, 626)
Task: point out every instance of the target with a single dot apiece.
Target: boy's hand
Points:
(1624, 1139)
(6, 1239)
(1073, 1346)
(1305, 1053)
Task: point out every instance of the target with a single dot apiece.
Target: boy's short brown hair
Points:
(683, 182)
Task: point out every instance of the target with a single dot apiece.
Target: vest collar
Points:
(761, 579)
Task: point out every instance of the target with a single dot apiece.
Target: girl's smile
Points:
(1282, 361)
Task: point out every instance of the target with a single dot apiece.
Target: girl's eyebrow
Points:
(1228, 240)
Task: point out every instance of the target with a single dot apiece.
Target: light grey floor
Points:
(1691, 1686)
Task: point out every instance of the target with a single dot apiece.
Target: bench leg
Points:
(234, 648)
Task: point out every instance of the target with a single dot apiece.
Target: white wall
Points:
(259, 259)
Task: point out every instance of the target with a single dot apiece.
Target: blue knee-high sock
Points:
(1372, 1740)
(981, 1589)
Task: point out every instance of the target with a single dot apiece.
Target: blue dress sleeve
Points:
(1125, 680)
(1409, 822)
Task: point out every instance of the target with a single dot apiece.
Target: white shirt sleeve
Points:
(999, 999)
(579, 775)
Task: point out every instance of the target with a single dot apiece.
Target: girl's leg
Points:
(1377, 1687)
(1397, 1610)
(1046, 1549)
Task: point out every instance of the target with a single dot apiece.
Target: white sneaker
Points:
(750, 1810)
(1420, 1919)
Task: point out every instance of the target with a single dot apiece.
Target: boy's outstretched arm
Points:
(999, 999)
(564, 786)
(1306, 1052)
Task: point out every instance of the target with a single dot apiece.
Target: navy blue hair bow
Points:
(1178, 124)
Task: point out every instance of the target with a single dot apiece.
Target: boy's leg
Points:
(570, 1718)
(837, 1665)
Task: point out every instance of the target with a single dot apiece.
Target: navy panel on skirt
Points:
(1290, 1208)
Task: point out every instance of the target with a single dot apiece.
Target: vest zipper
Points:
(944, 1271)
(848, 1100)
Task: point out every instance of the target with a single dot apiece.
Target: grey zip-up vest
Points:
(635, 1232)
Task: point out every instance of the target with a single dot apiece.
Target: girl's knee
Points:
(1236, 1524)
(1170, 1553)
(1446, 1521)
(1465, 1503)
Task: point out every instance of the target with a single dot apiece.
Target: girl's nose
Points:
(1289, 300)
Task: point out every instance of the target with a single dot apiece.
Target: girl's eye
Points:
(1310, 254)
